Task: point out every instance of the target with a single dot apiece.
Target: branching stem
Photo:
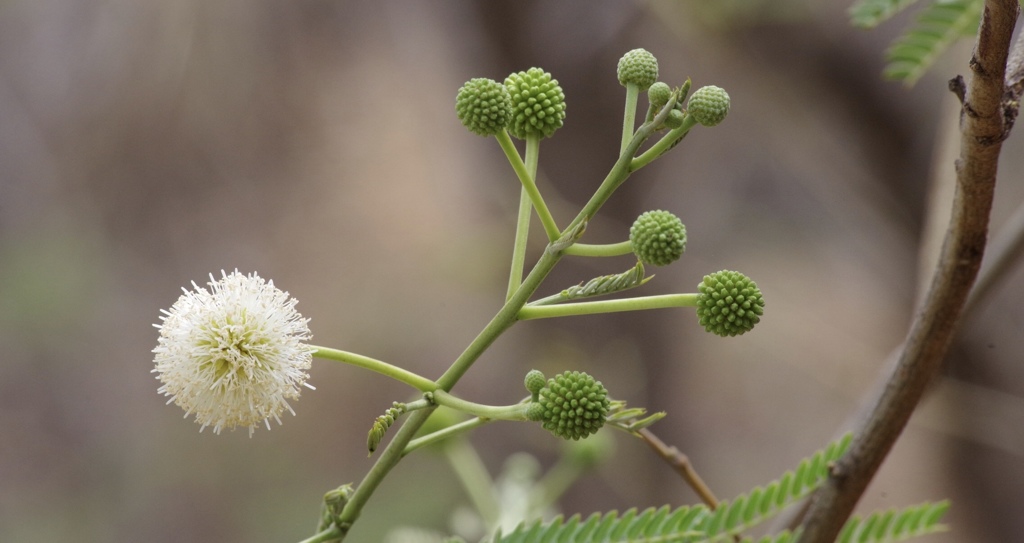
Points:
(525, 214)
(983, 130)
(611, 249)
(502, 321)
(495, 412)
(664, 144)
(629, 116)
(528, 177)
(681, 463)
(416, 381)
(608, 306)
(446, 433)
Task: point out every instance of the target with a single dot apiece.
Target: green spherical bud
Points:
(674, 119)
(659, 94)
(534, 381)
(535, 412)
(484, 106)
(638, 67)
(709, 105)
(729, 303)
(538, 104)
(658, 237)
(575, 405)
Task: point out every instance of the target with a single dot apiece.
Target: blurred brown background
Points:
(144, 145)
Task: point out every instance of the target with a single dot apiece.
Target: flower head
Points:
(658, 237)
(235, 354)
(538, 104)
(709, 105)
(730, 304)
(483, 106)
(638, 67)
(573, 405)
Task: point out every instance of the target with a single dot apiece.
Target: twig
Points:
(680, 463)
(982, 129)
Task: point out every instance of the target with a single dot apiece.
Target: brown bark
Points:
(984, 125)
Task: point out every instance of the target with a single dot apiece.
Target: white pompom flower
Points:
(235, 354)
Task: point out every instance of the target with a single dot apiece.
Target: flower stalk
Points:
(405, 376)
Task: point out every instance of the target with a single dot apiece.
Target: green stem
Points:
(629, 116)
(473, 475)
(331, 534)
(416, 381)
(609, 306)
(448, 432)
(503, 412)
(515, 277)
(663, 144)
(528, 178)
(621, 170)
(502, 321)
(611, 249)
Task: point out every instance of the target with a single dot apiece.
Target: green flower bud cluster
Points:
(675, 119)
(538, 104)
(573, 405)
(534, 382)
(638, 67)
(729, 303)
(709, 105)
(658, 237)
(484, 106)
(659, 94)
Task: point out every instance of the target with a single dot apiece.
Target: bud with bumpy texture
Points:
(484, 106)
(729, 303)
(659, 94)
(709, 105)
(538, 104)
(658, 237)
(674, 119)
(535, 412)
(534, 381)
(638, 67)
(574, 405)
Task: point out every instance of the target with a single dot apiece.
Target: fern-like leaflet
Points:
(935, 29)
(599, 286)
(687, 524)
(895, 525)
(871, 13)
(381, 425)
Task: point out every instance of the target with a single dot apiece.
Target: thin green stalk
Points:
(608, 306)
(529, 183)
(611, 249)
(621, 170)
(448, 432)
(523, 220)
(497, 412)
(394, 451)
(501, 322)
(326, 536)
(515, 275)
(663, 144)
(473, 475)
(416, 381)
(629, 116)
